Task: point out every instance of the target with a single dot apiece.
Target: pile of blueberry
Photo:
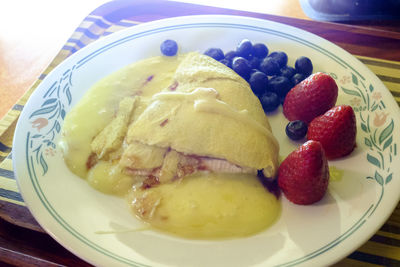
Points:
(267, 73)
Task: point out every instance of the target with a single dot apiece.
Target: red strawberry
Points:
(304, 175)
(336, 131)
(310, 98)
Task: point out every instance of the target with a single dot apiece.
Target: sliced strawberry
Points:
(336, 130)
(304, 175)
(310, 98)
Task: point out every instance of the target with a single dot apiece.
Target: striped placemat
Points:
(382, 249)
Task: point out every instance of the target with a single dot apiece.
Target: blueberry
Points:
(231, 55)
(280, 85)
(297, 78)
(169, 48)
(226, 62)
(269, 66)
(288, 72)
(253, 70)
(244, 48)
(242, 67)
(258, 82)
(280, 57)
(304, 66)
(269, 101)
(260, 50)
(254, 62)
(296, 130)
(215, 53)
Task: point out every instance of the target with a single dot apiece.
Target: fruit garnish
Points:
(260, 50)
(269, 66)
(297, 78)
(303, 65)
(288, 72)
(296, 130)
(169, 48)
(336, 131)
(215, 53)
(231, 55)
(280, 57)
(244, 48)
(280, 85)
(242, 67)
(258, 82)
(248, 58)
(269, 101)
(303, 176)
(310, 98)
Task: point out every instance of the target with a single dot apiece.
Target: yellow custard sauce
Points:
(98, 106)
(198, 205)
(208, 206)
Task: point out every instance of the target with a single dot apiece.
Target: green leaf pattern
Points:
(386, 132)
(49, 116)
(376, 127)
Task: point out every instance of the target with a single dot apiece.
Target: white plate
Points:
(72, 212)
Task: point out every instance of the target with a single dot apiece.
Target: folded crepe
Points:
(208, 119)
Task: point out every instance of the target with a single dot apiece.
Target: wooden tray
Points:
(382, 248)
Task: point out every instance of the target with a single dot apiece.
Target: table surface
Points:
(23, 58)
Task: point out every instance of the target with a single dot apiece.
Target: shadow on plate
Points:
(169, 250)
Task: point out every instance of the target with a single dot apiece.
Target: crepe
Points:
(207, 119)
